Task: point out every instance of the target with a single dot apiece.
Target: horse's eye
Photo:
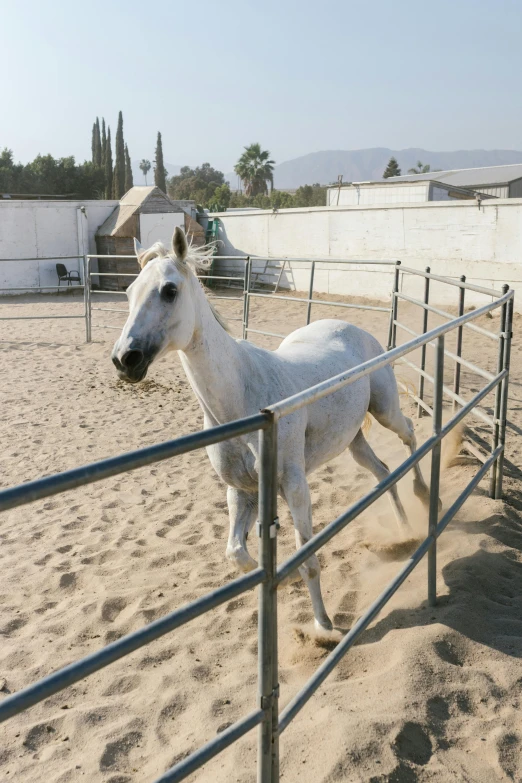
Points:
(168, 292)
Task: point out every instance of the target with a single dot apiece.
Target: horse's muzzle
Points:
(132, 366)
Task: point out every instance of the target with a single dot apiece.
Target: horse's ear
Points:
(179, 244)
(139, 250)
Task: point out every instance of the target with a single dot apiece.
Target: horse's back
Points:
(329, 342)
(320, 351)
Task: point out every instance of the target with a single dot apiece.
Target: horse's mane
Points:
(198, 259)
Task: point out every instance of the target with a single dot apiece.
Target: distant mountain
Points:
(139, 179)
(359, 165)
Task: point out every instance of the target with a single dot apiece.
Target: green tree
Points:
(129, 181)
(103, 142)
(97, 159)
(280, 199)
(93, 143)
(310, 196)
(145, 168)
(108, 165)
(256, 170)
(118, 183)
(199, 184)
(221, 199)
(392, 169)
(47, 175)
(10, 172)
(421, 168)
(160, 173)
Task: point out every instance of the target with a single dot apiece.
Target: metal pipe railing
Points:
(458, 283)
(63, 678)
(425, 315)
(320, 675)
(310, 300)
(329, 531)
(227, 737)
(321, 390)
(445, 314)
(113, 466)
(267, 576)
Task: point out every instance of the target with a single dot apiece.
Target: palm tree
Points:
(255, 170)
(145, 167)
(421, 168)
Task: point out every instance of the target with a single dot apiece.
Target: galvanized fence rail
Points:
(39, 288)
(89, 275)
(309, 300)
(267, 575)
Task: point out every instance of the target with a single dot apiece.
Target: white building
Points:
(451, 185)
(361, 194)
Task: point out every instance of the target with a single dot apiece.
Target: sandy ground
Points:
(426, 695)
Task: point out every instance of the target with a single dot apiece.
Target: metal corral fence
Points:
(89, 275)
(268, 575)
(29, 289)
(247, 281)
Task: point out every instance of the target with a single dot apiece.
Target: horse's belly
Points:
(334, 422)
(235, 464)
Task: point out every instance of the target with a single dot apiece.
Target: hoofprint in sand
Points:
(427, 694)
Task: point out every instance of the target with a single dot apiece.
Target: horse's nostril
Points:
(131, 359)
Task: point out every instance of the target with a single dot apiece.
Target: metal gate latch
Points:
(273, 528)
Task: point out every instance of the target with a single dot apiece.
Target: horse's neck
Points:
(212, 362)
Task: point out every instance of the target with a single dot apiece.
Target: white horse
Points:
(168, 310)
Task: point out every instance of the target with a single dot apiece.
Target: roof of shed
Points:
(133, 203)
(465, 178)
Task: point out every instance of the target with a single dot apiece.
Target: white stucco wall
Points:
(453, 238)
(159, 227)
(364, 195)
(46, 229)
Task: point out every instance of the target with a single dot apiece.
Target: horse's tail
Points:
(367, 424)
(406, 386)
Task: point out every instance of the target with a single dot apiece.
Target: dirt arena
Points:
(426, 695)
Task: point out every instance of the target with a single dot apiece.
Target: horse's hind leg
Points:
(385, 407)
(295, 491)
(364, 455)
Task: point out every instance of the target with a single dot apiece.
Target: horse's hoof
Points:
(325, 626)
(241, 560)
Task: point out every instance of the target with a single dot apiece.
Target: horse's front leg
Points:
(297, 494)
(242, 509)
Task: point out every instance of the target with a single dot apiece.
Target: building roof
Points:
(135, 201)
(466, 178)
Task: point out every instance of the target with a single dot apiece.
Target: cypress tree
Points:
(108, 166)
(118, 184)
(103, 142)
(97, 144)
(392, 169)
(159, 170)
(93, 143)
(129, 182)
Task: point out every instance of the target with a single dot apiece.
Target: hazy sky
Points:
(296, 76)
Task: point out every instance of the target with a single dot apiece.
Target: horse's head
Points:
(162, 308)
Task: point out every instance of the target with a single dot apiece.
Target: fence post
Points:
(435, 469)
(392, 331)
(246, 298)
(456, 377)
(420, 410)
(498, 395)
(87, 296)
(268, 748)
(504, 387)
(310, 293)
